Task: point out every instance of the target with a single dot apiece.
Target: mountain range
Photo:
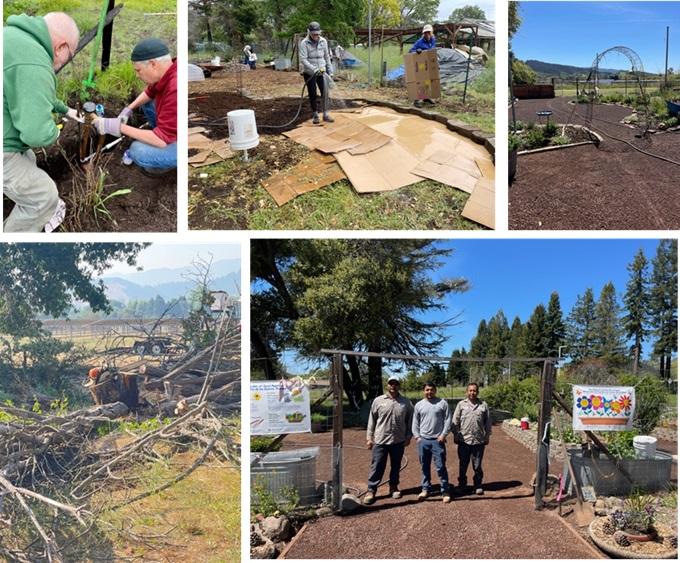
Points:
(170, 283)
(553, 69)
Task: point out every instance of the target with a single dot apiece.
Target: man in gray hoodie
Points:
(315, 67)
(431, 424)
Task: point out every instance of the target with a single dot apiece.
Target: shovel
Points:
(583, 511)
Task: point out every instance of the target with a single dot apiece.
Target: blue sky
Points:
(516, 275)
(448, 6)
(573, 33)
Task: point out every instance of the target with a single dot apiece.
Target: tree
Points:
(48, 278)
(458, 372)
(365, 295)
(608, 343)
(554, 325)
(479, 347)
(522, 73)
(518, 348)
(435, 374)
(467, 12)
(204, 8)
(664, 304)
(538, 334)
(636, 302)
(581, 326)
(499, 335)
(514, 20)
(417, 12)
(386, 13)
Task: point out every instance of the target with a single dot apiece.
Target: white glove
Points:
(73, 114)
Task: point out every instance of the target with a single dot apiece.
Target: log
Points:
(152, 371)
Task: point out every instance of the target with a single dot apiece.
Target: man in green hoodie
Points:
(34, 47)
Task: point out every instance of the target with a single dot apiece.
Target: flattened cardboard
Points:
(211, 151)
(385, 169)
(344, 134)
(199, 141)
(451, 169)
(424, 89)
(422, 75)
(486, 167)
(313, 172)
(481, 204)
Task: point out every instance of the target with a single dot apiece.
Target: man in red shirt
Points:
(154, 149)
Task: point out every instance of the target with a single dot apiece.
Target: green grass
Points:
(119, 83)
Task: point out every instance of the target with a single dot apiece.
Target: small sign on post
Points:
(279, 407)
(603, 407)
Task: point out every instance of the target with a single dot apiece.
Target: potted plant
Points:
(635, 523)
(514, 143)
(318, 421)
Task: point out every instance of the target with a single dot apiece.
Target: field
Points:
(229, 195)
(96, 195)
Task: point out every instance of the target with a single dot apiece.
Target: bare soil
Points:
(610, 187)
(150, 207)
(501, 524)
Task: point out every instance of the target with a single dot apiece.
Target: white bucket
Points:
(215, 61)
(242, 129)
(645, 447)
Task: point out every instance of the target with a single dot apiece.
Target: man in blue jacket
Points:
(425, 43)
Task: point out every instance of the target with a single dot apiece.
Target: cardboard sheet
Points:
(385, 169)
(211, 151)
(315, 171)
(451, 169)
(481, 204)
(344, 134)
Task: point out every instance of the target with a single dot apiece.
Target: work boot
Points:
(429, 101)
(315, 118)
(423, 495)
(395, 493)
(369, 498)
(447, 498)
(479, 491)
(327, 117)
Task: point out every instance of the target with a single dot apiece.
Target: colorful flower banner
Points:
(603, 408)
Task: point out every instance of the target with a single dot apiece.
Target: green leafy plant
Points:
(650, 399)
(514, 142)
(559, 140)
(264, 502)
(549, 130)
(639, 513)
(620, 444)
(263, 444)
(318, 417)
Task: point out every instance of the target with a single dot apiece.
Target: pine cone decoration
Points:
(674, 542)
(255, 539)
(621, 539)
(608, 528)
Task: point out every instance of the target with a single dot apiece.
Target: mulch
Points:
(501, 524)
(586, 187)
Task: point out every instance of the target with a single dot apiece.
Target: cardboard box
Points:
(422, 75)
(426, 89)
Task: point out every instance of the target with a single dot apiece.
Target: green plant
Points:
(318, 417)
(620, 444)
(264, 502)
(534, 139)
(263, 444)
(559, 140)
(549, 130)
(640, 513)
(650, 399)
(514, 142)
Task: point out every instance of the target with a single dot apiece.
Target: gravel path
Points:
(501, 524)
(610, 187)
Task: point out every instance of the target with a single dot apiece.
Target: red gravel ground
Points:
(610, 187)
(501, 524)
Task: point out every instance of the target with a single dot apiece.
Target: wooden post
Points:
(107, 36)
(336, 467)
(543, 438)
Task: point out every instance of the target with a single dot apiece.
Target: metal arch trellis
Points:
(591, 89)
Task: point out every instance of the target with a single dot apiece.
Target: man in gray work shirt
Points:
(431, 423)
(471, 427)
(387, 434)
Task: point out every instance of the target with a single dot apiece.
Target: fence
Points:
(607, 86)
(123, 327)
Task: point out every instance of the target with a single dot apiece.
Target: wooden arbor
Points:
(407, 34)
(337, 375)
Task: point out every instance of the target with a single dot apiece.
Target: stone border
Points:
(529, 439)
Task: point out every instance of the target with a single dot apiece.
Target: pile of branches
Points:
(59, 477)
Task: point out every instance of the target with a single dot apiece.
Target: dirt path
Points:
(610, 187)
(501, 524)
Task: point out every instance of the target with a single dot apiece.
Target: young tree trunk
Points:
(353, 382)
(636, 357)
(264, 354)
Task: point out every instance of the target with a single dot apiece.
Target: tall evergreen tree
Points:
(499, 335)
(458, 373)
(664, 304)
(609, 343)
(581, 326)
(555, 325)
(636, 302)
(538, 336)
(479, 348)
(518, 348)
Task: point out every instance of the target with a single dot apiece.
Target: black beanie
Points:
(149, 49)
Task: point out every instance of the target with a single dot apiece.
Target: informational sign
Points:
(279, 407)
(603, 408)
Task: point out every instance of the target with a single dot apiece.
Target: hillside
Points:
(565, 71)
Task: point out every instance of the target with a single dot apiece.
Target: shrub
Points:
(535, 139)
(264, 502)
(514, 142)
(262, 444)
(550, 130)
(318, 417)
(657, 106)
(560, 140)
(520, 397)
(620, 444)
(650, 400)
